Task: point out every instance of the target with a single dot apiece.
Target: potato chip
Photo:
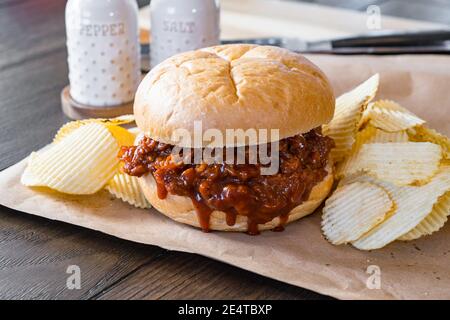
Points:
(368, 135)
(390, 116)
(28, 178)
(424, 134)
(81, 163)
(72, 125)
(349, 107)
(400, 163)
(433, 221)
(123, 136)
(413, 204)
(353, 210)
(127, 188)
(135, 130)
(380, 136)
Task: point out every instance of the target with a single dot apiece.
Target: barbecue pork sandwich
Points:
(233, 87)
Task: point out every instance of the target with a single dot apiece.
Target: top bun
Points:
(237, 86)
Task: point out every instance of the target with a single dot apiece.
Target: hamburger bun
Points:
(232, 87)
(236, 86)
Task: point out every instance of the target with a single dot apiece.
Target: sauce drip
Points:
(230, 218)
(236, 189)
(283, 220)
(203, 213)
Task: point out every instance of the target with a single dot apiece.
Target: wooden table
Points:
(34, 252)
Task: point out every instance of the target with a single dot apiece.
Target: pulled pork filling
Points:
(236, 189)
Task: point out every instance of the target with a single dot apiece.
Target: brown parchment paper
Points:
(299, 255)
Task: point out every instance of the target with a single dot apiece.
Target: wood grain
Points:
(189, 276)
(35, 255)
(34, 252)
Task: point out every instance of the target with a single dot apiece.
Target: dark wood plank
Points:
(36, 252)
(29, 30)
(188, 276)
(33, 70)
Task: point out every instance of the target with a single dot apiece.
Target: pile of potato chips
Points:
(393, 172)
(83, 160)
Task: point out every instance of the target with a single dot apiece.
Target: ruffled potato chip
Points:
(433, 222)
(400, 163)
(424, 134)
(135, 130)
(123, 136)
(80, 163)
(349, 107)
(413, 204)
(72, 125)
(353, 210)
(127, 188)
(390, 116)
(368, 135)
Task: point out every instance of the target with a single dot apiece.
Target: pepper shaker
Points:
(178, 26)
(103, 51)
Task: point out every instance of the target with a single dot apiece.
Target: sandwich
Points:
(188, 106)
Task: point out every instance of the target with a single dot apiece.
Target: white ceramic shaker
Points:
(103, 51)
(178, 26)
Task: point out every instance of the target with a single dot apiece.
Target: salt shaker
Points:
(103, 51)
(178, 26)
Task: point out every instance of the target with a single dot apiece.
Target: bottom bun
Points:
(181, 209)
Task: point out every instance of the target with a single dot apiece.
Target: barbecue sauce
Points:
(236, 189)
